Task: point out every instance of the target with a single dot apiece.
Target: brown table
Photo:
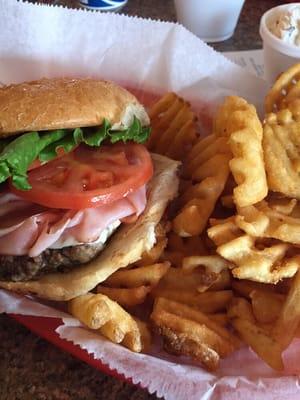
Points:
(31, 368)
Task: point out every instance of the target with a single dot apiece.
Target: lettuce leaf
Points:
(18, 154)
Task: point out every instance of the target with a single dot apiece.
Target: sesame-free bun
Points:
(48, 104)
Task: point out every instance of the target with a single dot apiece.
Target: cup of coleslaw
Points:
(280, 32)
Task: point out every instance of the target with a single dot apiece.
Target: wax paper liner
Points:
(156, 57)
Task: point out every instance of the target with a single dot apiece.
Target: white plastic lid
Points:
(272, 40)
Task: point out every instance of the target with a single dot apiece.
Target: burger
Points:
(80, 195)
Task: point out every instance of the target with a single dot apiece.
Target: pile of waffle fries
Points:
(224, 270)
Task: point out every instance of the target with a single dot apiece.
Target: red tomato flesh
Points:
(89, 177)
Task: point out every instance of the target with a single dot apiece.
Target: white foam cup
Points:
(210, 20)
(278, 55)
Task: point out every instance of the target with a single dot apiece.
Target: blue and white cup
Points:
(103, 5)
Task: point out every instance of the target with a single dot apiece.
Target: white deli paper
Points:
(42, 41)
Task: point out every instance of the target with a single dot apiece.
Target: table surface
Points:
(31, 368)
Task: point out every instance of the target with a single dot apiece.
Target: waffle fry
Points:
(281, 152)
(99, 312)
(268, 265)
(231, 116)
(285, 90)
(199, 199)
(173, 127)
(238, 121)
(223, 231)
(271, 221)
(188, 332)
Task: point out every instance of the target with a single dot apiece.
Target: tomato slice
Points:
(89, 177)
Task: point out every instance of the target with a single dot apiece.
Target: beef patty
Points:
(25, 268)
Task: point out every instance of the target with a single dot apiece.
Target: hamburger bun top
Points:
(48, 104)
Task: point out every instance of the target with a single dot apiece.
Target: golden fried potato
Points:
(238, 121)
(207, 302)
(189, 332)
(181, 279)
(266, 305)
(231, 116)
(126, 297)
(284, 91)
(260, 341)
(268, 265)
(260, 220)
(213, 263)
(148, 275)
(210, 173)
(244, 287)
(223, 230)
(240, 308)
(99, 312)
(281, 143)
(173, 127)
(289, 318)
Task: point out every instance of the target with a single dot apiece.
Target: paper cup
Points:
(278, 55)
(210, 20)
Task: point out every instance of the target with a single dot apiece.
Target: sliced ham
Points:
(26, 228)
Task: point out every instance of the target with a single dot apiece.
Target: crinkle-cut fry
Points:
(106, 316)
(207, 302)
(192, 218)
(240, 308)
(267, 265)
(173, 126)
(204, 150)
(289, 318)
(223, 230)
(266, 305)
(212, 263)
(260, 342)
(247, 167)
(260, 220)
(180, 279)
(238, 121)
(148, 275)
(281, 144)
(278, 96)
(126, 297)
(206, 170)
(185, 311)
(231, 116)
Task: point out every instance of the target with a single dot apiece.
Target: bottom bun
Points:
(125, 247)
